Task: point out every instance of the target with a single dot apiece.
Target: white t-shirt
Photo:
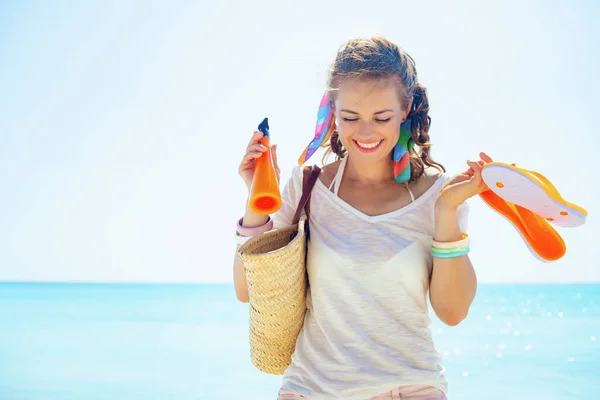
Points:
(367, 328)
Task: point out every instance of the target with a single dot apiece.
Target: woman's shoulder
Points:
(431, 180)
(431, 175)
(328, 172)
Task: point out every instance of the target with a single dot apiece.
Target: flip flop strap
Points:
(543, 179)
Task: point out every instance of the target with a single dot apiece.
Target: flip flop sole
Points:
(541, 239)
(519, 188)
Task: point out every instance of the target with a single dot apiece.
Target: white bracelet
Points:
(452, 245)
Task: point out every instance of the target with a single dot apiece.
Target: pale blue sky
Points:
(119, 121)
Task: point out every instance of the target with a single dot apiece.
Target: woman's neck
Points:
(372, 173)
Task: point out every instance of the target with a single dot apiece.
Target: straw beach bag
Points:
(275, 266)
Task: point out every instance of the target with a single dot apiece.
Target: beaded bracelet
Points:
(451, 249)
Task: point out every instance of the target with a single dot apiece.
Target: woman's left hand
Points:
(464, 186)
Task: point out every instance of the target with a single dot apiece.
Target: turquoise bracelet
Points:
(451, 249)
(450, 254)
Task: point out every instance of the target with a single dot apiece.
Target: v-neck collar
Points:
(381, 217)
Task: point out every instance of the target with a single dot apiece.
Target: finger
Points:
(256, 147)
(274, 153)
(256, 136)
(250, 157)
(470, 172)
(275, 163)
(246, 165)
(485, 157)
(475, 167)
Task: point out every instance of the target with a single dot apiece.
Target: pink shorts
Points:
(411, 392)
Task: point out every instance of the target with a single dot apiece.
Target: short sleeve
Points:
(290, 197)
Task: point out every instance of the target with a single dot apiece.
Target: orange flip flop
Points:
(533, 191)
(542, 239)
(530, 202)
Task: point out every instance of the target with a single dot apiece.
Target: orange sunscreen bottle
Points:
(265, 197)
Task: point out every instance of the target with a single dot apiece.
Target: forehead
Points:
(368, 95)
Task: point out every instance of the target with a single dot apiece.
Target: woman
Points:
(375, 239)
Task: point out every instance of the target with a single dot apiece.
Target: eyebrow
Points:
(355, 113)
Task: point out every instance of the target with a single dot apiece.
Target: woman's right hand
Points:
(254, 150)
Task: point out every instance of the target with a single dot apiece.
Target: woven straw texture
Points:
(276, 274)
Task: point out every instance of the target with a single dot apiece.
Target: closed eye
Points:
(381, 121)
(378, 120)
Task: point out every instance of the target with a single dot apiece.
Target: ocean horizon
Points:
(74, 340)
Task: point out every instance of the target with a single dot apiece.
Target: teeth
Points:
(368, 145)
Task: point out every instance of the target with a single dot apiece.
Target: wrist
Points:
(446, 223)
(442, 208)
(251, 225)
(252, 219)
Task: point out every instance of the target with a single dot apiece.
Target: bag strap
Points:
(310, 176)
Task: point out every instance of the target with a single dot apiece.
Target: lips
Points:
(367, 147)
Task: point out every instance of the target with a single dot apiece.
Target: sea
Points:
(73, 341)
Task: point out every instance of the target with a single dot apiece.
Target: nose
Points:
(365, 130)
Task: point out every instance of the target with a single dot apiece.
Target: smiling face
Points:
(373, 84)
(368, 117)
